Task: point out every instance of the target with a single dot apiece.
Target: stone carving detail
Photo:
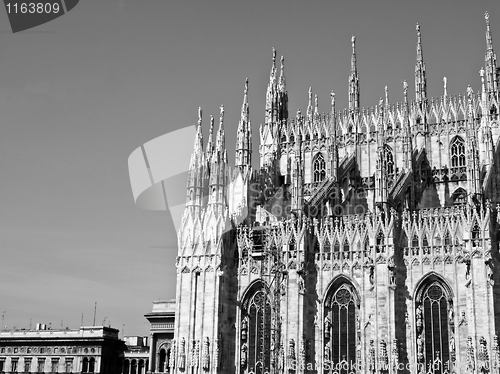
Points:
(216, 353)
(420, 348)
(495, 353)
(244, 353)
(291, 351)
(419, 318)
(452, 349)
(195, 353)
(302, 352)
(451, 316)
(182, 354)
(171, 362)
(328, 326)
(482, 356)
(206, 354)
(371, 357)
(463, 319)
(395, 355)
(383, 359)
(244, 329)
(471, 363)
(327, 353)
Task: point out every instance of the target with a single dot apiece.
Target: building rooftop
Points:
(83, 332)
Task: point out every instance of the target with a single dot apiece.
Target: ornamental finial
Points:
(199, 116)
(221, 118)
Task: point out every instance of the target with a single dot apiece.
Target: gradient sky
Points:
(79, 94)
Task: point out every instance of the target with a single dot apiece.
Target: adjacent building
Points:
(161, 320)
(89, 349)
(136, 356)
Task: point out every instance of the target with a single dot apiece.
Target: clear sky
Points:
(79, 94)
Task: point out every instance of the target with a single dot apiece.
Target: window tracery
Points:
(435, 328)
(319, 168)
(255, 335)
(340, 329)
(457, 148)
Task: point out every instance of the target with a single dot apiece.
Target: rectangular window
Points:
(13, 365)
(27, 365)
(55, 365)
(2, 362)
(41, 365)
(69, 365)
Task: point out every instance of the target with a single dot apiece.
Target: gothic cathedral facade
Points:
(366, 241)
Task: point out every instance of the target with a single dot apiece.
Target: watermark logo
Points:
(158, 172)
(26, 14)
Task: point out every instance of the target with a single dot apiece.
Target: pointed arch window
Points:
(319, 168)
(457, 148)
(459, 196)
(255, 334)
(434, 323)
(493, 112)
(340, 330)
(389, 159)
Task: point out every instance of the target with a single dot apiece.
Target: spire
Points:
(316, 110)
(489, 39)
(309, 105)
(218, 172)
(198, 143)
(490, 59)
(196, 168)
(220, 146)
(483, 87)
(210, 145)
(245, 110)
(445, 91)
(420, 78)
(273, 69)
(332, 100)
(282, 94)
(244, 134)
(197, 155)
(353, 56)
(386, 96)
(271, 94)
(282, 81)
(353, 80)
(405, 91)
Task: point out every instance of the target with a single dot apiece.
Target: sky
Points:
(80, 93)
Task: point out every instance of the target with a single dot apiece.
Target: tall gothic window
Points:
(319, 168)
(256, 333)
(340, 330)
(457, 148)
(434, 323)
(389, 158)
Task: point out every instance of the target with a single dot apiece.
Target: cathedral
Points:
(365, 242)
